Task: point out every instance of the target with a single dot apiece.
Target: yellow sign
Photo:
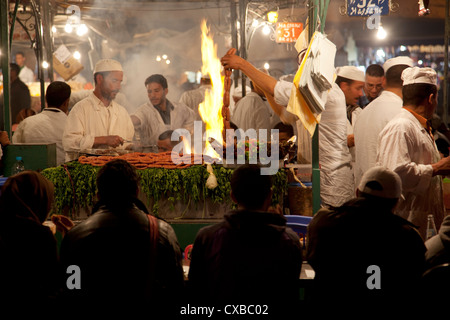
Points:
(288, 31)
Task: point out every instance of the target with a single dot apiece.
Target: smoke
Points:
(145, 37)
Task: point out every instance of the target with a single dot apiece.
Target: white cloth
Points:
(372, 119)
(351, 129)
(251, 113)
(44, 128)
(193, 98)
(406, 147)
(336, 175)
(26, 75)
(282, 92)
(152, 124)
(87, 120)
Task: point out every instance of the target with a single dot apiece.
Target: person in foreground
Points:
(125, 256)
(250, 257)
(362, 252)
(28, 251)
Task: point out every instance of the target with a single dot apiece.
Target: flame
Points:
(211, 109)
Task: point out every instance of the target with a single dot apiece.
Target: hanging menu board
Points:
(288, 31)
(364, 8)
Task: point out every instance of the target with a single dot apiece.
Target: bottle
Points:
(18, 166)
(431, 227)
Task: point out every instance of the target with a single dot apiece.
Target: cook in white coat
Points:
(48, 126)
(193, 98)
(159, 114)
(351, 81)
(336, 178)
(25, 74)
(251, 112)
(407, 147)
(97, 121)
(377, 114)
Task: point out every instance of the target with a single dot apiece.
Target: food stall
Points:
(176, 192)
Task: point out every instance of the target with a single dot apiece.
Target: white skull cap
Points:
(105, 65)
(397, 61)
(419, 75)
(351, 72)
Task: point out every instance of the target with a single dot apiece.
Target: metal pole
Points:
(447, 30)
(312, 18)
(5, 57)
(243, 47)
(234, 37)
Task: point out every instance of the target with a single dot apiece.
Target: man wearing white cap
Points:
(97, 121)
(159, 114)
(351, 81)
(336, 178)
(377, 114)
(406, 145)
(345, 242)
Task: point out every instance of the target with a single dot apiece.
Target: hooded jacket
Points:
(250, 256)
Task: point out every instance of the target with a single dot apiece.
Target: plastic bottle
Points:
(18, 166)
(431, 227)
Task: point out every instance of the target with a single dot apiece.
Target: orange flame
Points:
(211, 109)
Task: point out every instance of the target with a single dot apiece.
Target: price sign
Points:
(288, 31)
(364, 8)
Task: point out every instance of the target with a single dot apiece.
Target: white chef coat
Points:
(371, 121)
(45, 127)
(193, 98)
(89, 118)
(152, 124)
(282, 92)
(26, 74)
(406, 147)
(336, 175)
(351, 129)
(251, 113)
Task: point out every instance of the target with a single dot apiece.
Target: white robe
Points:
(152, 124)
(193, 98)
(43, 128)
(371, 121)
(405, 146)
(89, 118)
(336, 176)
(26, 75)
(252, 113)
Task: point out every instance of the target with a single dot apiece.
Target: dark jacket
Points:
(28, 262)
(249, 257)
(344, 242)
(113, 251)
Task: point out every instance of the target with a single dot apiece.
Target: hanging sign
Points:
(288, 31)
(364, 8)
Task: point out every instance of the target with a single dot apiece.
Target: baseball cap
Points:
(381, 182)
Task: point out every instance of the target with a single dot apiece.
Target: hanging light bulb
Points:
(266, 29)
(82, 30)
(77, 55)
(381, 33)
(68, 28)
(45, 64)
(272, 16)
